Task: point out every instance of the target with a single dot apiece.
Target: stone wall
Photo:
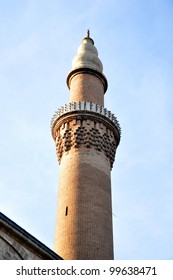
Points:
(18, 244)
(13, 249)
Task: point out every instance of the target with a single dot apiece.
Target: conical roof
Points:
(87, 61)
(87, 56)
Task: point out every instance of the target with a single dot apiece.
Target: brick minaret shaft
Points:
(86, 137)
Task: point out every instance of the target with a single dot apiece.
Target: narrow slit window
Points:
(66, 211)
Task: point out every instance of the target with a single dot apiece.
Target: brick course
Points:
(87, 87)
(85, 188)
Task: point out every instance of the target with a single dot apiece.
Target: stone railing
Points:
(85, 106)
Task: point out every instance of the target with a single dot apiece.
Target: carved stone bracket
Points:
(74, 131)
(85, 107)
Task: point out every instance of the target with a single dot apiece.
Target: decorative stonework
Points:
(7, 251)
(87, 107)
(13, 249)
(77, 134)
(17, 244)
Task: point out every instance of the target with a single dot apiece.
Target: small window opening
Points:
(66, 211)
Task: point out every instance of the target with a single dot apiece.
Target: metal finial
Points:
(88, 38)
(88, 33)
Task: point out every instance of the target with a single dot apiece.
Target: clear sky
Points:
(134, 38)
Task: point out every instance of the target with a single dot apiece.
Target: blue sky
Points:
(134, 39)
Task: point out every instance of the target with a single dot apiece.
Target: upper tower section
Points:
(86, 80)
(85, 123)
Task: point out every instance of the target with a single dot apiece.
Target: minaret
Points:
(86, 137)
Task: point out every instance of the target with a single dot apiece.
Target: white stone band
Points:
(85, 106)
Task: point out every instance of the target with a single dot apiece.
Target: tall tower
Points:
(86, 137)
